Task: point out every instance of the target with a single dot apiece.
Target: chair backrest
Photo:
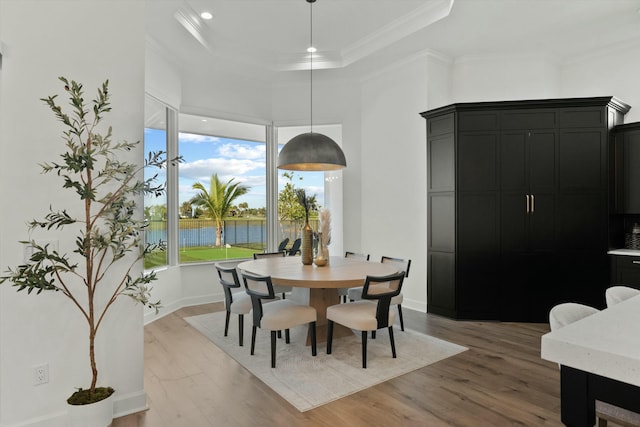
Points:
(258, 288)
(566, 313)
(295, 247)
(348, 254)
(228, 279)
(283, 245)
(403, 264)
(257, 255)
(617, 294)
(383, 288)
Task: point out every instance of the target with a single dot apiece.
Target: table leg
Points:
(577, 406)
(320, 299)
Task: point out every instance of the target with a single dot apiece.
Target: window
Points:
(222, 189)
(190, 220)
(155, 208)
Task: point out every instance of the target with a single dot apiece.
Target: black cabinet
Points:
(626, 147)
(517, 206)
(625, 270)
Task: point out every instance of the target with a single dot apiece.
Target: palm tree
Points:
(218, 200)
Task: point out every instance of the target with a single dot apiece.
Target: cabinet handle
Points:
(526, 198)
(636, 262)
(533, 204)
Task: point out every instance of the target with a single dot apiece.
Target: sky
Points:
(242, 160)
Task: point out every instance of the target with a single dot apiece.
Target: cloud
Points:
(202, 170)
(242, 151)
(195, 138)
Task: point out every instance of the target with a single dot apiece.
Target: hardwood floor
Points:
(500, 381)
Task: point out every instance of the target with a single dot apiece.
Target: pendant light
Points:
(311, 151)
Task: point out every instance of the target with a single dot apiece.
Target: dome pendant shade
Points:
(311, 152)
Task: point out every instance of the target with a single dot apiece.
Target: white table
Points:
(600, 359)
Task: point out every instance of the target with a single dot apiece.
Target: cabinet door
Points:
(542, 149)
(631, 178)
(478, 161)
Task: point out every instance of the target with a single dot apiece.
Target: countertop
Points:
(606, 343)
(627, 252)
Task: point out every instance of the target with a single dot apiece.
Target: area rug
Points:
(308, 382)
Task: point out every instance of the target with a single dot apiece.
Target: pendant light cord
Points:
(311, 62)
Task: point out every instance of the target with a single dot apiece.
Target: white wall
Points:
(505, 77)
(611, 72)
(88, 41)
(393, 171)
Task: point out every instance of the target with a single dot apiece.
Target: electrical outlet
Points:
(41, 374)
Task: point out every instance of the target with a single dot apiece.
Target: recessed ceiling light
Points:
(311, 49)
(206, 15)
(203, 120)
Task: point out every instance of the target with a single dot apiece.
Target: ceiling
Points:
(267, 39)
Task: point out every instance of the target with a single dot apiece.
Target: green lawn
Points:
(200, 254)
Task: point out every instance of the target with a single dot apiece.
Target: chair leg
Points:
(286, 336)
(241, 328)
(393, 342)
(329, 335)
(273, 349)
(283, 297)
(364, 349)
(602, 422)
(226, 323)
(253, 338)
(279, 334)
(312, 330)
(400, 316)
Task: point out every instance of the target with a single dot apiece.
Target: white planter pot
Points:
(99, 414)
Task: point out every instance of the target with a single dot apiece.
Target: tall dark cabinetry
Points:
(517, 206)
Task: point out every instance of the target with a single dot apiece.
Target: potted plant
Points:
(108, 233)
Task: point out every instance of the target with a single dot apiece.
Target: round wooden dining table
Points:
(318, 286)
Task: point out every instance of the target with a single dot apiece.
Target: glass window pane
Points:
(222, 189)
(155, 208)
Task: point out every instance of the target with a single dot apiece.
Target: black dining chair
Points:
(279, 289)
(238, 302)
(365, 316)
(278, 315)
(355, 294)
(344, 292)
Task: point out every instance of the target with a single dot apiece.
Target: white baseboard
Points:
(151, 316)
(123, 405)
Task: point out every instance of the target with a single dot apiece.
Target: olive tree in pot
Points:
(108, 233)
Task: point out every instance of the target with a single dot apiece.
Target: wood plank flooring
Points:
(500, 381)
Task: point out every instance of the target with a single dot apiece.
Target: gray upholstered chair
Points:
(344, 292)
(277, 315)
(369, 314)
(238, 303)
(566, 313)
(619, 293)
(277, 288)
(355, 294)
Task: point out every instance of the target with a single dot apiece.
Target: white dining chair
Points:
(369, 314)
(566, 313)
(238, 303)
(344, 292)
(619, 293)
(279, 289)
(278, 315)
(355, 294)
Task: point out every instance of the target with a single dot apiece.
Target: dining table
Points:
(318, 286)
